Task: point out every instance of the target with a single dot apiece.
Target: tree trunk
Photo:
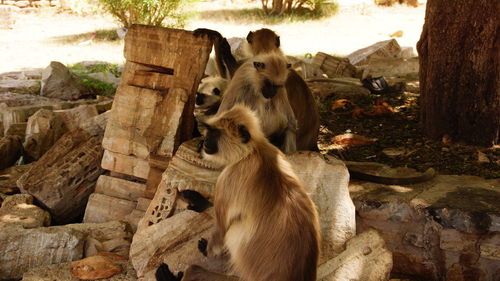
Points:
(459, 70)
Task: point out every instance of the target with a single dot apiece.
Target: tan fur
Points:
(275, 114)
(265, 218)
(299, 95)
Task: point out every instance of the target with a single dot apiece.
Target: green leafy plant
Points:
(150, 12)
(317, 8)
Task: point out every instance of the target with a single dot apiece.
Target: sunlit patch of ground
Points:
(38, 39)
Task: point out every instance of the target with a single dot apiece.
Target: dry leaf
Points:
(352, 140)
(95, 267)
(341, 104)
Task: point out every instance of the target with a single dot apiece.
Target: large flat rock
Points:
(448, 226)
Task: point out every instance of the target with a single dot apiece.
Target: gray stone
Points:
(75, 117)
(58, 82)
(44, 128)
(22, 249)
(11, 149)
(31, 87)
(383, 49)
(430, 226)
(64, 177)
(337, 88)
(19, 210)
(391, 67)
(14, 100)
(366, 258)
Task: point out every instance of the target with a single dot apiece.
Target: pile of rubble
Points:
(125, 173)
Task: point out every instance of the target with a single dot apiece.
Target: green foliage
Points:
(257, 15)
(149, 12)
(313, 8)
(94, 86)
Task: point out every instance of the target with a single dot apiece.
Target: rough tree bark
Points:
(459, 70)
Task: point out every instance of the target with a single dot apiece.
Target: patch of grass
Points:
(95, 86)
(257, 15)
(101, 35)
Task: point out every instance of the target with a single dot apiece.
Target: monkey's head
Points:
(210, 91)
(263, 41)
(231, 136)
(272, 71)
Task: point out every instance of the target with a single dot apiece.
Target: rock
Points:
(383, 49)
(430, 227)
(75, 117)
(8, 16)
(14, 100)
(9, 177)
(124, 164)
(326, 181)
(19, 114)
(19, 210)
(44, 128)
(103, 208)
(366, 258)
(175, 243)
(334, 66)
(308, 70)
(391, 67)
(338, 88)
(64, 177)
(58, 82)
(31, 87)
(95, 267)
(21, 249)
(111, 237)
(11, 149)
(107, 77)
(62, 272)
(406, 53)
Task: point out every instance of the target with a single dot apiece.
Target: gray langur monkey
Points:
(264, 218)
(259, 84)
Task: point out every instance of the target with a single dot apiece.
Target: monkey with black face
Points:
(264, 217)
(259, 84)
(208, 98)
(265, 41)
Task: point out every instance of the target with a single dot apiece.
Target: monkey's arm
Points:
(290, 142)
(226, 63)
(214, 246)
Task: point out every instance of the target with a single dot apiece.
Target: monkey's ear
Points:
(244, 134)
(250, 37)
(216, 91)
(288, 65)
(277, 42)
(259, 65)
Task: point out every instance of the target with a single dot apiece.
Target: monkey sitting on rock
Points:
(208, 98)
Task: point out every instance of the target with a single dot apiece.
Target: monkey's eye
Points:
(288, 65)
(216, 91)
(259, 65)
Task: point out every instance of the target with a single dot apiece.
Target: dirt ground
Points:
(38, 38)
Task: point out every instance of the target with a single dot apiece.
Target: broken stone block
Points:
(366, 258)
(337, 88)
(175, 243)
(17, 129)
(62, 272)
(59, 82)
(22, 249)
(334, 66)
(64, 177)
(326, 180)
(9, 177)
(75, 117)
(383, 49)
(391, 67)
(113, 237)
(11, 149)
(308, 70)
(431, 226)
(19, 114)
(44, 128)
(30, 87)
(19, 210)
(120, 188)
(103, 208)
(124, 164)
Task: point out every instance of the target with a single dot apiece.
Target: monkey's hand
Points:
(202, 246)
(212, 34)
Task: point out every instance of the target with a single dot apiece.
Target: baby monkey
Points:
(264, 218)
